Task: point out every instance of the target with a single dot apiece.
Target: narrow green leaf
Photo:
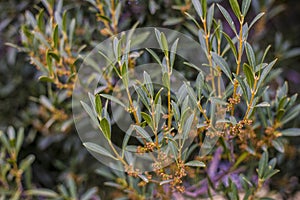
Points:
(173, 53)
(173, 21)
(98, 149)
(256, 19)
(175, 110)
(157, 96)
(265, 72)
(148, 83)
(195, 163)
(164, 44)
(187, 126)
(210, 17)
(46, 79)
(262, 166)
(142, 96)
(42, 192)
(20, 138)
(71, 31)
(116, 48)
(294, 112)
(271, 173)
(4, 141)
(147, 118)
(89, 194)
(191, 93)
(278, 145)
(98, 104)
(40, 20)
(249, 74)
(165, 80)
(222, 64)
(228, 18)
(89, 111)
(49, 63)
(231, 44)
(55, 36)
(245, 6)
(64, 22)
(165, 182)
(236, 8)
(198, 8)
(250, 55)
(113, 99)
(263, 104)
(105, 128)
(291, 132)
(155, 56)
(126, 139)
(125, 74)
(143, 133)
(204, 7)
(25, 163)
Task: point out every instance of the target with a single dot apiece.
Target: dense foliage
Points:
(236, 102)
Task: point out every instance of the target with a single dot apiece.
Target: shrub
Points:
(204, 120)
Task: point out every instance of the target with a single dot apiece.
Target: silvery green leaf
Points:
(263, 104)
(291, 132)
(144, 178)
(148, 83)
(218, 101)
(42, 192)
(20, 138)
(89, 194)
(195, 163)
(142, 96)
(278, 145)
(173, 21)
(228, 18)
(256, 19)
(231, 44)
(98, 149)
(191, 93)
(140, 38)
(271, 173)
(187, 126)
(175, 110)
(4, 140)
(222, 64)
(165, 182)
(155, 56)
(265, 72)
(192, 65)
(165, 80)
(198, 8)
(26, 162)
(250, 55)
(71, 31)
(294, 112)
(173, 53)
(113, 99)
(263, 162)
(118, 11)
(143, 133)
(245, 6)
(89, 111)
